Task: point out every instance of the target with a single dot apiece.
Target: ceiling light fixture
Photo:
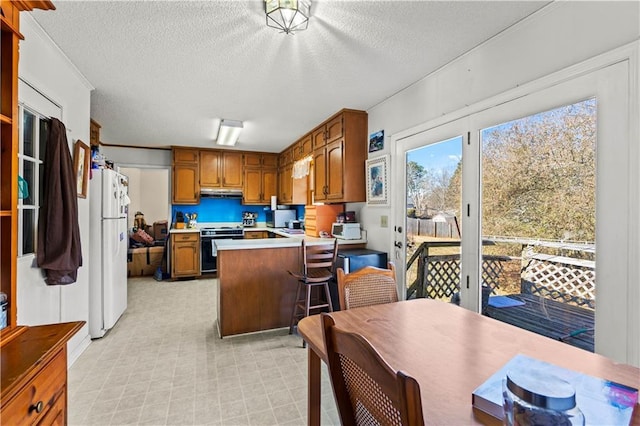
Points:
(229, 132)
(287, 15)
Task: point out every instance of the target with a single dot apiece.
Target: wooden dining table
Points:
(450, 351)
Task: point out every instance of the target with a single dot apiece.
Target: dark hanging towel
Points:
(59, 251)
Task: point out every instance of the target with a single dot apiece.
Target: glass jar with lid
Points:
(534, 398)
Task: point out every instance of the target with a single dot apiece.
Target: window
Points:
(33, 137)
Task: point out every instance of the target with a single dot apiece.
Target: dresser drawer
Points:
(39, 395)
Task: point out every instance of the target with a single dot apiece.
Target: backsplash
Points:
(224, 210)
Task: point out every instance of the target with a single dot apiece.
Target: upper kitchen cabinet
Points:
(220, 169)
(186, 176)
(340, 149)
(94, 133)
(306, 146)
(258, 159)
(331, 130)
(260, 178)
(259, 185)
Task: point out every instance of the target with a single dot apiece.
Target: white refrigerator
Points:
(108, 255)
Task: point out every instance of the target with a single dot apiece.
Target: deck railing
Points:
(566, 279)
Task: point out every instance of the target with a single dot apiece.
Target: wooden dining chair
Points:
(367, 286)
(317, 269)
(366, 389)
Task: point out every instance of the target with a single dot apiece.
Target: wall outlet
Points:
(384, 221)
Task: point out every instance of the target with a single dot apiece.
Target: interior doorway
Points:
(149, 193)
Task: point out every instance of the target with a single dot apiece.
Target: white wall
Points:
(149, 193)
(44, 67)
(131, 157)
(560, 35)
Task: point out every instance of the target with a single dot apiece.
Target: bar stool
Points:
(318, 269)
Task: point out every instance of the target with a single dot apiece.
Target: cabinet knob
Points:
(37, 407)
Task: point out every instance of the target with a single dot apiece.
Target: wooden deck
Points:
(560, 321)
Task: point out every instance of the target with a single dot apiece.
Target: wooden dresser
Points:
(33, 375)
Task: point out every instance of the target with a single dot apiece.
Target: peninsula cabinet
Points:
(221, 169)
(340, 150)
(186, 176)
(185, 254)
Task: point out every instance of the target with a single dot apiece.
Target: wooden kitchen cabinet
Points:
(94, 133)
(185, 254)
(232, 170)
(305, 146)
(260, 185)
(210, 169)
(258, 159)
(253, 235)
(339, 160)
(285, 184)
(221, 169)
(34, 375)
(185, 185)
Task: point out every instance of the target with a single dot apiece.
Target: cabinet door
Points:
(319, 174)
(306, 145)
(318, 137)
(186, 186)
(185, 155)
(210, 173)
(232, 170)
(251, 194)
(252, 159)
(270, 160)
(269, 184)
(335, 171)
(284, 185)
(334, 129)
(185, 255)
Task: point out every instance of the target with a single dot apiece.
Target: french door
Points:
(602, 193)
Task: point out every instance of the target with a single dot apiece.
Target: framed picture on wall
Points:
(378, 181)
(81, 157)
(376, 141)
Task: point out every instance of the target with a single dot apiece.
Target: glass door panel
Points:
(433, 200)
(538, 222)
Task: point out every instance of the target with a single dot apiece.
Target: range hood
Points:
(220, 193)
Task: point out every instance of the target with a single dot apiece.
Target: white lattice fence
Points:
(560, 278)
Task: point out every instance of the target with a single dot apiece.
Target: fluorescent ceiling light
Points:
(229, 132)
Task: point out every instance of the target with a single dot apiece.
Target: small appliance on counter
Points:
(346, 217)
(346, 231)
(280, 218)
(249, 219)
(294, 224)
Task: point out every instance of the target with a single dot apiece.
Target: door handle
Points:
(398, 244)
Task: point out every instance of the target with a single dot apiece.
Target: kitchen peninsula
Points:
(255, 290)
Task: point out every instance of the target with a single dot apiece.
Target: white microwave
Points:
(346, 231)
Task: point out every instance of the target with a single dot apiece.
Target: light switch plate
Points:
(384, 221)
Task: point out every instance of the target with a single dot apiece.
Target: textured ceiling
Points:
(165, 72)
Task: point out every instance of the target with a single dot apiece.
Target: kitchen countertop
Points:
(291, 240)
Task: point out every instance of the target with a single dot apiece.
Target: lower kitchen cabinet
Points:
(251, 235)
(185, 254)
(34, 375)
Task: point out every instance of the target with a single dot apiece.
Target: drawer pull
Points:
(37, 407)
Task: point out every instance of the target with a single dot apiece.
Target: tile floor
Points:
(163, 364)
